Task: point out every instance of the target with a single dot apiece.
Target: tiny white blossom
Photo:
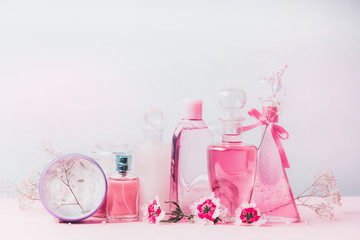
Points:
(322, 189)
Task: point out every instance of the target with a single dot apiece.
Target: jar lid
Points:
(72, 187)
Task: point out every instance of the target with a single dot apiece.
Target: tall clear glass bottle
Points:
(272, 192)
(232, 163)
(152, 161)
(189, 172)
(123, 192)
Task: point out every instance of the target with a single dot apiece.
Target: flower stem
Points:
(67, 183)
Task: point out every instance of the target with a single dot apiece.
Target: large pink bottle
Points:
(272, 192)
(189, 172)
(232, 163)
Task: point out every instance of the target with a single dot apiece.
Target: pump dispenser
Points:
(152, 160)
(232, 163)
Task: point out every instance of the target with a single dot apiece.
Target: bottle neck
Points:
(232, 130)
(190, 120)
(153, 138)
(271, 113)
(123, 173)
(193, 124)
(153, 135)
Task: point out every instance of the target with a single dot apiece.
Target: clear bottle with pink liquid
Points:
(123, 192)
(232, 163)
(189, 172)
(272, 192)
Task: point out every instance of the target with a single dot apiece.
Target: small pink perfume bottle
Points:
(232, 163)
(272, 192)
(123, 192)
(104, 155)
(189, 173)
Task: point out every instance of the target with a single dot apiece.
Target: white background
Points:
(79, 73)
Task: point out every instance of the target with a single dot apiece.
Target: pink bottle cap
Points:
(192, 109)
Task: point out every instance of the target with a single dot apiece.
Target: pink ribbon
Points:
(277, 132)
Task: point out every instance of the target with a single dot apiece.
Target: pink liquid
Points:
(123, 199)
(232, 168)
(272, 192)
(189, 171)
(101, 213)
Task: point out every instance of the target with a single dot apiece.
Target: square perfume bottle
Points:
(123, 192)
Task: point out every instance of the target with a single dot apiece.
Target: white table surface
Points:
(37, 223)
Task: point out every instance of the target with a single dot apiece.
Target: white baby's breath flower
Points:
(26, 191)
(275, 82)
(336, 197)
(321, 189)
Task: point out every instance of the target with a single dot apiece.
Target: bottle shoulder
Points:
(129, 176)
(232, 146)
(186, 124)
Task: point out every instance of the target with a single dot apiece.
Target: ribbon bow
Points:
(277, 132)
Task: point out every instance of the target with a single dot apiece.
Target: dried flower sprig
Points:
(276, 98)
(26, 191)
(64, 173)
(321, 189)
(275, 81)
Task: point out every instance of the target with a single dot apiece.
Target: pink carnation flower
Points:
(153, 212)
(207, 210)
(248, 214)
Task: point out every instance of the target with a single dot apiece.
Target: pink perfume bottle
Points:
(272, 192)
(232, 163)
(104, 155)
(189, 172)
(123, 192)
